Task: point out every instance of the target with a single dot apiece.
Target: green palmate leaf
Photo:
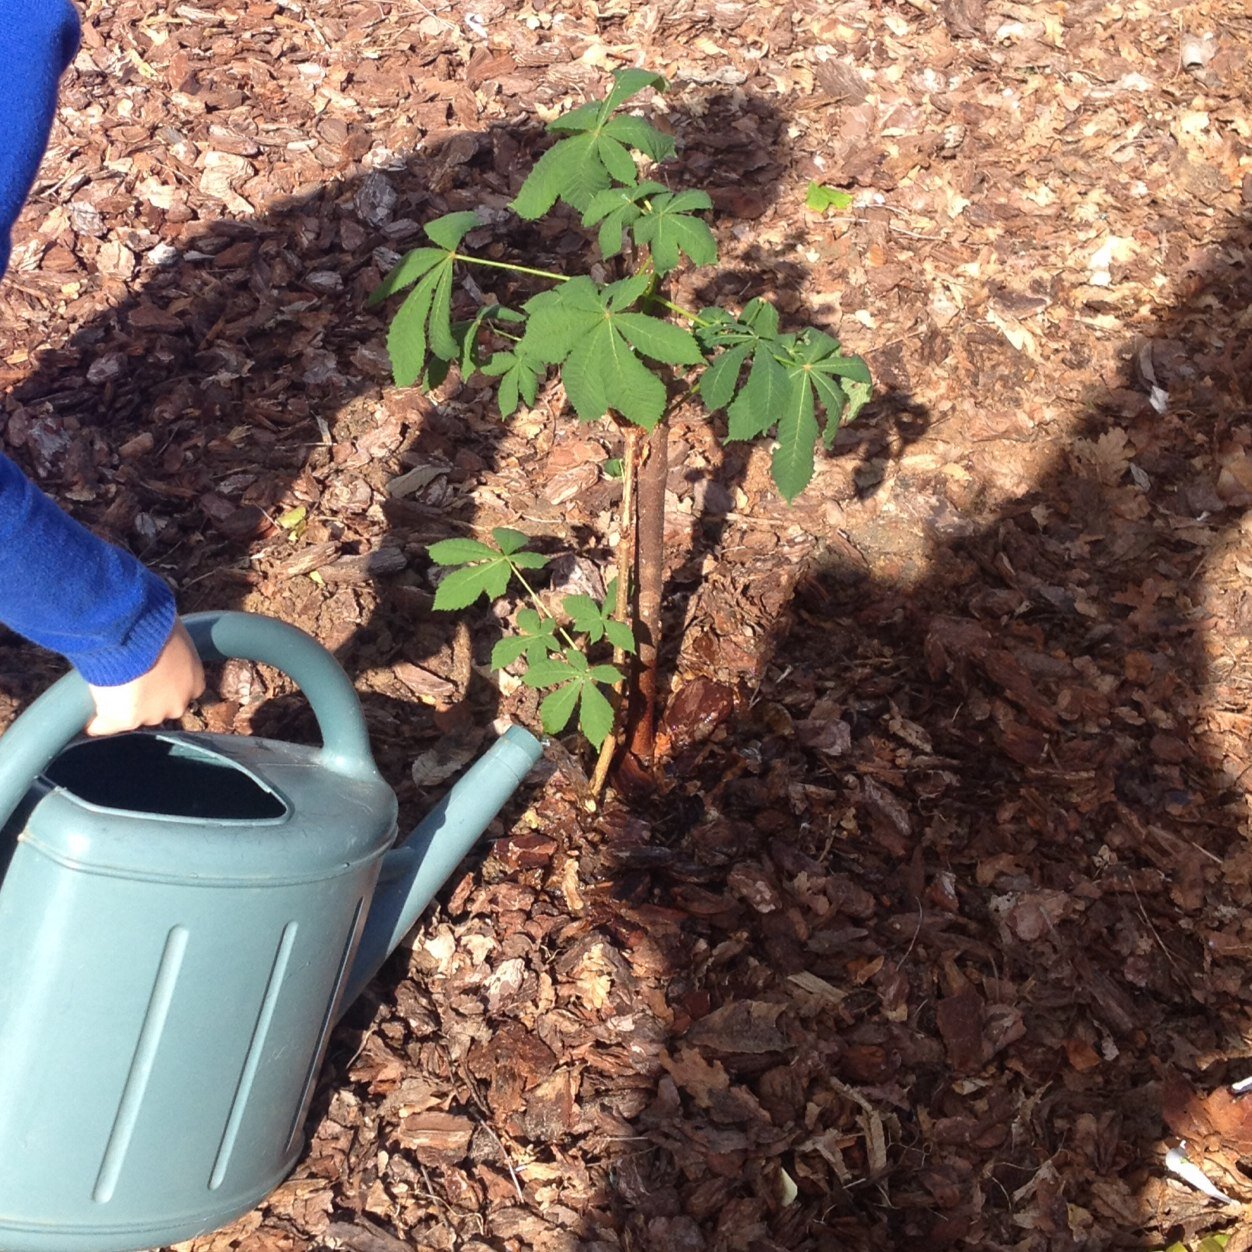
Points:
(459, 551)
(620, 636)
(423, 324)
(585, 117)
(819, 349)
(596, 152)
(617, 160)
(406, 336)
(757, 406)
(463, 586)
(713, 325)
(509, 541)
(612, 232)
(575, 684)
(792, 463)
(467, 334)
(603, 373)
(718, 382)
(762, 317)
(584, 615)
(549, 672)
(442, 341)
(791, 378)
(536, 638)
(410, 269)
(598, 348)
(595, 715)
(556, 708)
(597, 622)
(841, 383)
(858, 397)
(628, 83)
(615, 209)
(449, 230)
(668, 228)
(659, 340)
(559, 318)
(638, 134)
(484, 570)
(519, 377)
(832, 397)
(623, 293)
(570, 170)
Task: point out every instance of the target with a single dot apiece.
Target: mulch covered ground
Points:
(939, 933)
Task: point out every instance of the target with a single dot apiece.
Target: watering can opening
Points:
(163, 775)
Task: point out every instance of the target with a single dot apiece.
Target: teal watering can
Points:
(182, 919)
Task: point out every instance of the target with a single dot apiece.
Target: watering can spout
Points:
(414, 870)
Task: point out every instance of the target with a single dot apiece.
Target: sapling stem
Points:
(540, 606)
(621, 608)
(678, 308)
(508, 265)
(650, 564)
(564, 278)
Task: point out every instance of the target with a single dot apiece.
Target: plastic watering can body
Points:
(182, 918)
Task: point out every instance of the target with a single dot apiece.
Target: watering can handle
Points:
(62, 712)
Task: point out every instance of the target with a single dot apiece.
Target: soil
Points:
(936, 933)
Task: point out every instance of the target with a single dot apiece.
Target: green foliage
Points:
(619, 351)
(550, 662)
(519, 375)
(483, 570)
(535, 638)
(819, 198)
(789, 378)
(597, 622)
(575, 683)
(597, 152)
(670, 227)
(659, 219)
(424, 321)
(581, 327)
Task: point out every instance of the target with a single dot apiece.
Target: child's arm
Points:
(38, 38)
(66, 590)
(60, 586)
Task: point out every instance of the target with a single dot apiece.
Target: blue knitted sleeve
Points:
(65, 589)
(37, 40)
(60, 586)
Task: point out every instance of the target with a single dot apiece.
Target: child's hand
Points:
(164, 692)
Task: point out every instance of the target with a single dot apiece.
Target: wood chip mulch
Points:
(938, 934)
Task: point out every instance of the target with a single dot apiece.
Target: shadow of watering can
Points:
(182, 919)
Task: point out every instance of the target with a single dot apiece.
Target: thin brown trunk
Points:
(649, 583)
(621, 607)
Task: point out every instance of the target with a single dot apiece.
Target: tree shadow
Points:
(956, 920)
(231, 421)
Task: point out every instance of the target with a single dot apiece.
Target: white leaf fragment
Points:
(1176, 1162)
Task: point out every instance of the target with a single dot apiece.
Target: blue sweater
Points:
(60, 586)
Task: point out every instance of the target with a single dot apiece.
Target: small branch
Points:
(513, 269)
(539, 604)
(678, 308)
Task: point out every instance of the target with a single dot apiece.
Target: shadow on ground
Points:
(957, 935)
